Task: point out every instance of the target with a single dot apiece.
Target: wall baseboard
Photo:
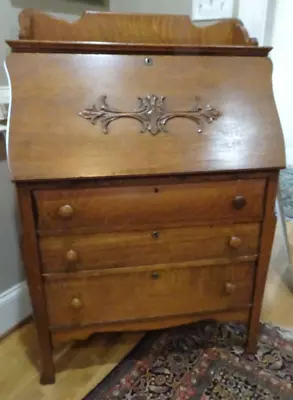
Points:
(4, 99)
(15, 306)
(4, 95)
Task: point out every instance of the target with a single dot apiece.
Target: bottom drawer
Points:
(129, 294)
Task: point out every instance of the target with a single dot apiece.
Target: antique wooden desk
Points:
(146, 173)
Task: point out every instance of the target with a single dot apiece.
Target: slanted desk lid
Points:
(101, 115)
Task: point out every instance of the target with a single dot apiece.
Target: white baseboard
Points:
(4, 95)
(15, 306)
(4, 99)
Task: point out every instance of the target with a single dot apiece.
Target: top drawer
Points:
(147, 206)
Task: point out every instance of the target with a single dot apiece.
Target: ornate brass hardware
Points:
(150, 113)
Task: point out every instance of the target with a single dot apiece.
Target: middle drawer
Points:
(125, 249)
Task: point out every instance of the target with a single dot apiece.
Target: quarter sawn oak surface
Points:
(146, 173)
(243, 138)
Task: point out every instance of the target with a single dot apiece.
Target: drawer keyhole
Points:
(148, 61)
(155, 275)
(155, 235)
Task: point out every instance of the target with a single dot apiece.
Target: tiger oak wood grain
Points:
(66, 334)
(140, 295)
(150, 207)
(131, 28)
(243, 138)
(137, 199)
(114, 250)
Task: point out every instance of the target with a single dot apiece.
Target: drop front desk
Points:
(145, 153)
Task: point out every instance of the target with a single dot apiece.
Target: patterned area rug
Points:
(286, 185)
(203, 361)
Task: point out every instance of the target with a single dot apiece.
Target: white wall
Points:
(271, 22)
(10, 264)
(253, 13)
(282, 58)
(152, 6)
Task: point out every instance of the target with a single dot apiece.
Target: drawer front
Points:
(149, 207)
(120, 249)
(138, 294)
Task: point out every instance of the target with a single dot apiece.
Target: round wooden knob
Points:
(71, 256)
(230, 288)
(239, 202)
(155, 275)
(65, 211)
(76, 303)
(235, 242)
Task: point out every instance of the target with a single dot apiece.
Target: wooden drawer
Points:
(122, 249)
(140, 293)
(150, 207)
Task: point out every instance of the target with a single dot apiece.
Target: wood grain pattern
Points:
(35, 284)
(131, 28)
(268, 231)
(158, 230)
(150, 207)
(81, 333)
(37, 46)
(125, 249)
(246, 137)
(106, 298)
(81, 367)
(153, 180)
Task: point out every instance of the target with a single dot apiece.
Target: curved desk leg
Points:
(32, 265)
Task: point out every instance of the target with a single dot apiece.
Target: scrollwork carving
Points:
(151, 113)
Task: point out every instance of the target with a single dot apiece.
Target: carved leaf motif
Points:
(150, 113)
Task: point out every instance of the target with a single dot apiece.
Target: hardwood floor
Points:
(278, 300)
(80, 367)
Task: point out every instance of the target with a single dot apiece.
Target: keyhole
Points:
(155, 235)
(148, 61)
(155, 275)
(156, 190)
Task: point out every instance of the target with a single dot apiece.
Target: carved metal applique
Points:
(150, 113)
